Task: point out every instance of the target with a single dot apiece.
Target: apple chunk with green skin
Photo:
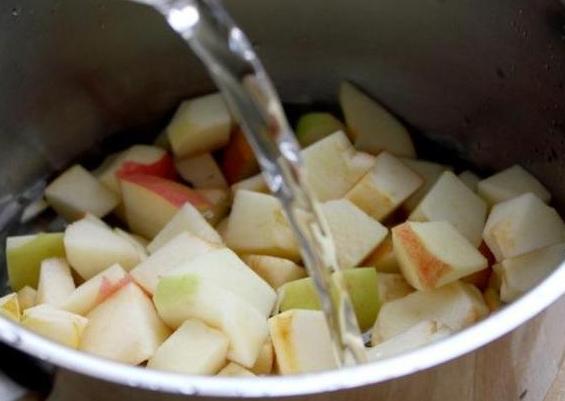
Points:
(138, 159)
(92, 248)
(302, 342)
(151, 202)
(226, 269)
(456, 305)
(522, 273)
(96, 290)
(275, 271)
(373, 128)
(521, 225)
(194, 348)
(55, 282)
(419, 335)
(200, 125)
(188, 296)
(312, 127)
(332, 166)
(10, 307)
(27, 297)
(361, 284)
(60, 326)
(76, 192)
(510, 183)
(24, 255)
(186, 219)
(355, 234)
(429, 172)
(124, 328)
(202, 171)
(384, 187)
(257, 225)
(451, 200)
(181, 249)
(434, 254)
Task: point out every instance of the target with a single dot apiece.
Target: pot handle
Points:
(25, 370)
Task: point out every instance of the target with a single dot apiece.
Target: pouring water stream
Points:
(237, 71)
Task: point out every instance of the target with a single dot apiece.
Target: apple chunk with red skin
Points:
(94, 291)
(151, 202)
(434, 254)
(138, 159)
(124, 328)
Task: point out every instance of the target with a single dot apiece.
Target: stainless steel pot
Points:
(482, 79)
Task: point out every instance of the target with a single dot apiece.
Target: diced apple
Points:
(392, 286)
(302, 343)
(138, 242)
(201, 171)
(361, 284)
(373, 128)
(522, 273)
(33, 210)
(27, 297)
(383, 258)
(183, 248)
(138, 159)
(275, 271)
(384, 187)
(254, 183)
(76, 192)
(429, 172)
(162, 141)
(186, 219)
(220, 203)
(55, 282)
(258, 225)
(222, 227)
(233, 369)
(355, 234)
(183, 297)
(151, 202)
(265, 360)
(24, 255)
(434, 254)
(492, 299)
(96, 290)
(521, 225)
(225, 269)
(92, 248)
(451, 200)
(510, 183)
(60, 326)
(456, 305)
(470, 179)
(333, 166)
(125, 327)
(478, 279)
(238, 158)
(419, 335)
(10, 307)
(194, 348)
(200, 125)
(312, 127)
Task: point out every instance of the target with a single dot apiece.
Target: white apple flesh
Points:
(55, 282)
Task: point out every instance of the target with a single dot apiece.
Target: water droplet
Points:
(16, 11)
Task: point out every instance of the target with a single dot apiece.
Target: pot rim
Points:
(491, 328)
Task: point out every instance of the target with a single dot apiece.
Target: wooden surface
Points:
(522, 366)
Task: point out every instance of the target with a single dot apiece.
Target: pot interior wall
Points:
(484, 79)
